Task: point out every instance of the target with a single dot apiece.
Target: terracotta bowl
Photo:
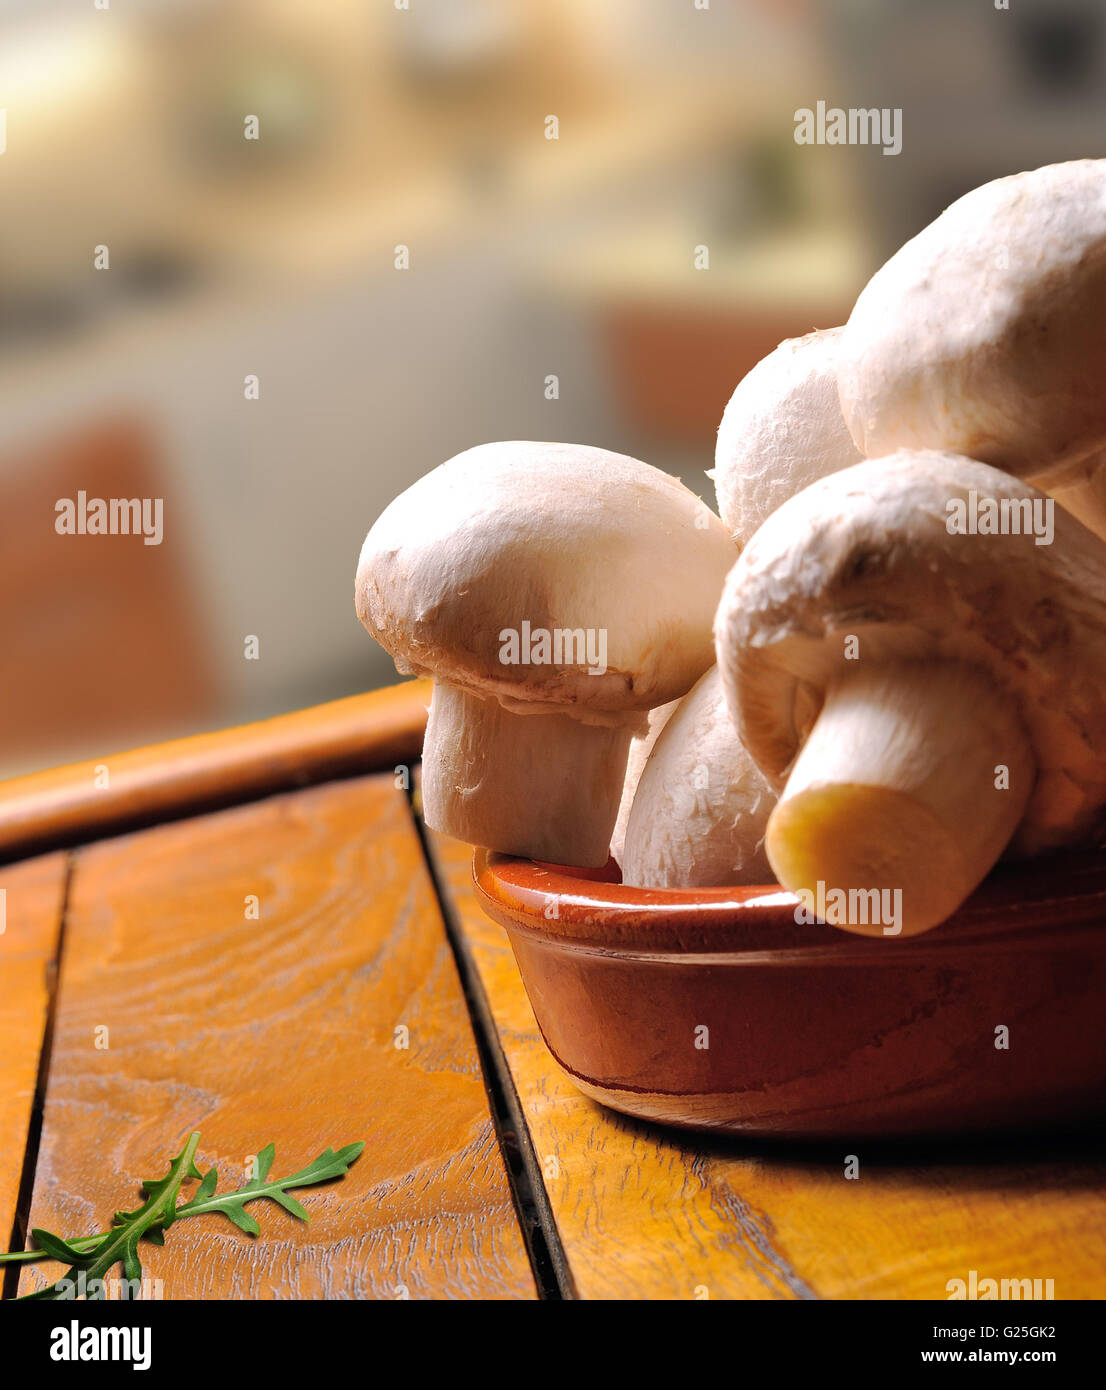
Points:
(813, 1032)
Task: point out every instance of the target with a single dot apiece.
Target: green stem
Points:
(82, 1243)
(121, 1241)
(218, 1202)
(159, 1210)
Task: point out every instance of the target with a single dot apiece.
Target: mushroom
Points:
(641, 745)
(984, 335)
(555, 593)
(922, 698)
(701, 806)
(781, 430)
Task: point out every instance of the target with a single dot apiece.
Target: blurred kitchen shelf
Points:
(678, 339)
(806, 269)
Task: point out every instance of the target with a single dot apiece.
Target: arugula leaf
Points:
(329, 1164)
(97, 1253)
(155, 1214)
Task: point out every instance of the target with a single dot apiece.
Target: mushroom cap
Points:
(564, 537)
(701, 806)
(781, 430)
(867, 552)
(641, 746)
(984, 333)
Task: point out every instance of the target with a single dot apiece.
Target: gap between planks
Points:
(21, 1219)
(548, 1261)
(357, 843)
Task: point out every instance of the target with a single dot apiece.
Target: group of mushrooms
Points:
(827, 683)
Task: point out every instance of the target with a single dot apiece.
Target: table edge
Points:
(78, 802)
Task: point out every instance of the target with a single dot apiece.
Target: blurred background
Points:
(554, 288)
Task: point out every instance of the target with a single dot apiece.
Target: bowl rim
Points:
(1022, 905)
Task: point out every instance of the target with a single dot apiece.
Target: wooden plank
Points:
(283, 1029)
(30, 918)
(76, 804)
(642, 1212)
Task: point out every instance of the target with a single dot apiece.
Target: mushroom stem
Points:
(541, 786)
(900, 786)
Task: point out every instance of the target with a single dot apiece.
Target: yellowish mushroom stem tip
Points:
(911, 782)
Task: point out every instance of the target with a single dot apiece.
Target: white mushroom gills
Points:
(913, 779)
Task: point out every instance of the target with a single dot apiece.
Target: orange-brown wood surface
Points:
(30, 916)
(177, 1010)
(645, 1213)
(180, 1007)
(78, 803)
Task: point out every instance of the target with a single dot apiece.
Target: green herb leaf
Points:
(128, 1228)
(96, 1254)
(329, 1164)
(56, 1248)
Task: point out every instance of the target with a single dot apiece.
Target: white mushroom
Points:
(985, 335)
(922, 697)
(781, 430)
(556, 593)
(641, 745)
(701, 806)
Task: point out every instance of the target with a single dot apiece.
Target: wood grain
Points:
(67, 805)
(282, 1029)
(647, 1213)
(30, 915)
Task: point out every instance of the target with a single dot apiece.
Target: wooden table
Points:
(250, 934)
